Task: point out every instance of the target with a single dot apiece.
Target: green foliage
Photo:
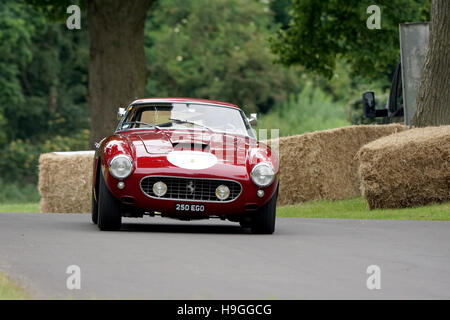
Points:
(43, 86)
(19, 161)
(43, 75)
(54, 9)
(215, 50)
(3, 136)
(322, 31)
(13, 192)
(15, 42)
(280, 11)
(52, 86)
(311, 110)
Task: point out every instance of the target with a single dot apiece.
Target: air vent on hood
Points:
(190, 146)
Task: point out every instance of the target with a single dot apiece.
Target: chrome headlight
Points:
(222, 192)
(121, 166)
(159, 188)
(262, 174)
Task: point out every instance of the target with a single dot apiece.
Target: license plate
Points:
(186, 207)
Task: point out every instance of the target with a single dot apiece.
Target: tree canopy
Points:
(320, 32)
(216, 50)
(43, 86)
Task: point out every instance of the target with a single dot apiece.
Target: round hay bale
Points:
(322, 164)
(65, 181)
(407, 169)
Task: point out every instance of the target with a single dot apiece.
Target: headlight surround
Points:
(121, 166)
(262, 174)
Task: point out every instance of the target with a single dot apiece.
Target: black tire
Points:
(94, 213)
(264, 220)
(109, 213)
(245, 224)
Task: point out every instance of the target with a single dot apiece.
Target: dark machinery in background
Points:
(394, 106)
(402, 96)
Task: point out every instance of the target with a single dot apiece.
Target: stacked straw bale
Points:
(318, 165)
(65, 180)
(322, 164)
(407, 169)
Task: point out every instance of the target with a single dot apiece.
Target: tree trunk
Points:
(117, 68)
(433, 99)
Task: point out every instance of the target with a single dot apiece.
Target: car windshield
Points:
(183, 115)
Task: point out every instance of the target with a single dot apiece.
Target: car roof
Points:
(183, 100)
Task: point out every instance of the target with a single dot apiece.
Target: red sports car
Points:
(186, 159)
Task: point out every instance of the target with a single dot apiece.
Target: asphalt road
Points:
(156, 258)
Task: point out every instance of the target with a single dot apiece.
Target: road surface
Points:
(156, 258)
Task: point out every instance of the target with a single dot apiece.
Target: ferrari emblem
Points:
(190, 187)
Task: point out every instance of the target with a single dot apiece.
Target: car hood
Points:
(221, 145)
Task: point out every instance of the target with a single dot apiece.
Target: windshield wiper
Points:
(191, 122)
(140, 122)
(150, 125)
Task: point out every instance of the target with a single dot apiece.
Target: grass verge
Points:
(20, 207)
(9, 290)
(356, 208)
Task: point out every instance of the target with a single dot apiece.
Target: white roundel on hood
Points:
(194, 160)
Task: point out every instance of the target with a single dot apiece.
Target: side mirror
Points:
(368, 100)
(120, 113)
(253, 120)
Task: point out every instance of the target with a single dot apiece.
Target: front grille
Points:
(192, 189)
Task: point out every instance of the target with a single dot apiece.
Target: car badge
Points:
(190, 187)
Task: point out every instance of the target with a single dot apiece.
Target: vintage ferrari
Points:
(185, 159)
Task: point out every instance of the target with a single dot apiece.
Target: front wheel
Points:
(109, 213)
(264, 220)
(94, 213)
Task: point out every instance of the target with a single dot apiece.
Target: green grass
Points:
(356, 208)
(19, 207)
(11, 291)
